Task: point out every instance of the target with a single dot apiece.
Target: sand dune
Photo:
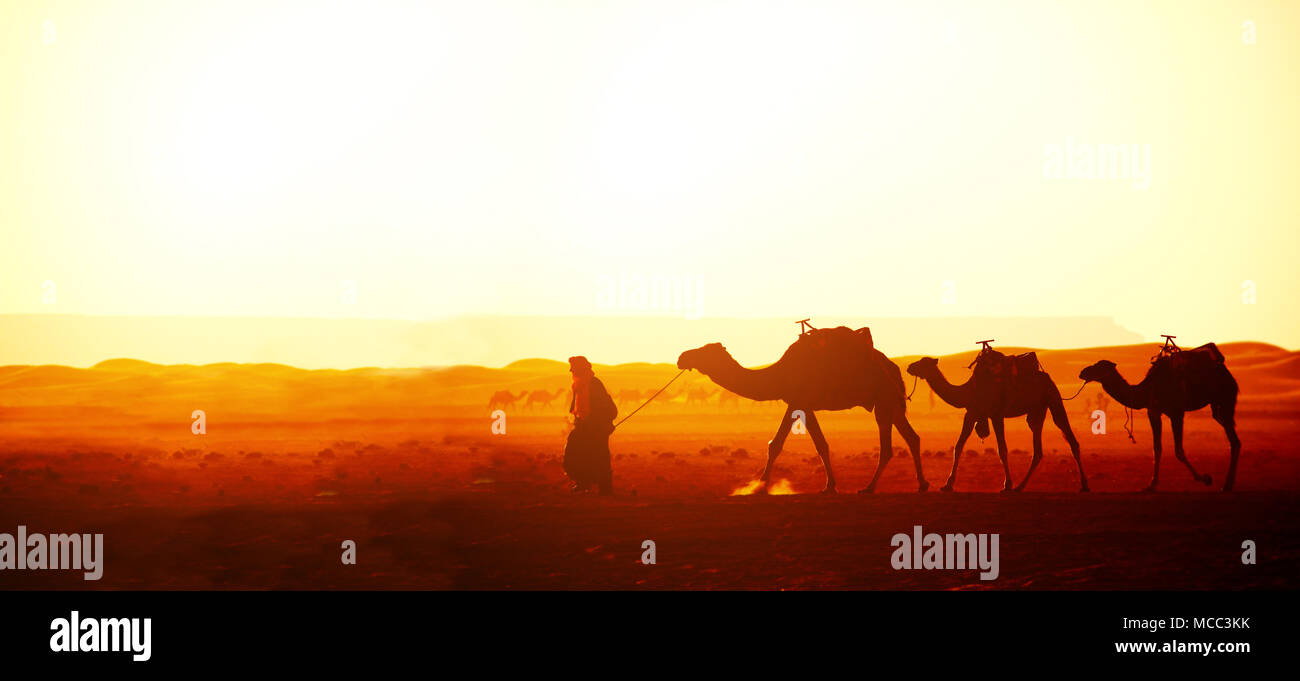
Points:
(486, 340)
(405, 461)
(1266, 373)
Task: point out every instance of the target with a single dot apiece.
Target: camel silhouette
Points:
(542, 398)
(650, 393)
(825, 369)
(666, 397)
(1032, 395)
(698, 395)
(628, 396)
(504, 398)
(726, 397)
(1175, 384)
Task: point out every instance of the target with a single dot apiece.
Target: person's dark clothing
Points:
(586, 454)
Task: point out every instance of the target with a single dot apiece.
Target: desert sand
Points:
(404, 463)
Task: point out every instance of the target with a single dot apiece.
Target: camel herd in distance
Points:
(836, 369)
(690, 397)
(694, 398)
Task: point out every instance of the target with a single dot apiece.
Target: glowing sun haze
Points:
(422, 160)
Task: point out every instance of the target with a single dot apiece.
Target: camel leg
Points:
(1153, 417)
(914, 445)
(777, 442)
(1223, 414)
(1062, 421)
(886, 427)
(1000, 430)
(1036, 421)
(1176, 425)
(967, 424)
(823, 449)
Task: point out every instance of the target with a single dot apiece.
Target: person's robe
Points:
(586, 454)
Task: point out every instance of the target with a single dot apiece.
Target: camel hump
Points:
(832, 353)
(992, 361)
(837, 339)
(1027, 363)
(1207, 354)
(1204, 355)
(1211, 350)
(996, 368)
(864, 336)
(1192, 362)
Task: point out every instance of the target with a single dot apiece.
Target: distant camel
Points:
(504, 398)
(826, 369)
(628, 396)
(1174, 385)
(542, 398)
(726, 397)
(698, 394)
(1032, 395)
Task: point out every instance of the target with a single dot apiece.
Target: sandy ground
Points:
(434, 500)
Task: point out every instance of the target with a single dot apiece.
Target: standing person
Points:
(586, 454)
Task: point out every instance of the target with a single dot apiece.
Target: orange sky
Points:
(699, 159)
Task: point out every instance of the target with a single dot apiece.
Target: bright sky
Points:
(419, 160)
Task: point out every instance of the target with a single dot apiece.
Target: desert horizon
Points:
(490, 340)
(336, 297)
(409, 462)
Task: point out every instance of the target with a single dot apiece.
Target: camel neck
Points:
(1131, 396)
(754, 384)
(955, 395)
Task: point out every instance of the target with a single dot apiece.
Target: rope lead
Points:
(651, 398)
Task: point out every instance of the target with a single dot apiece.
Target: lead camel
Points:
(825, 369)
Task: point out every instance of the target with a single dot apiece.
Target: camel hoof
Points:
(1227, 488)
(922, 486)
(867, 490)
(828, 490)
(1149, 489)
(1084, 489)
(1206, 480)
(1007, 490)
(946, 488)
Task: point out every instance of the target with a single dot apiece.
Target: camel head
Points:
(924, 367)
(705, 356)
(1099, 371)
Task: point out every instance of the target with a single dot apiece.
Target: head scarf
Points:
(582, 375)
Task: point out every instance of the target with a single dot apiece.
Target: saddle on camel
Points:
(837, 356)
(1181, 365)
(1178, 381)
(996, 376)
